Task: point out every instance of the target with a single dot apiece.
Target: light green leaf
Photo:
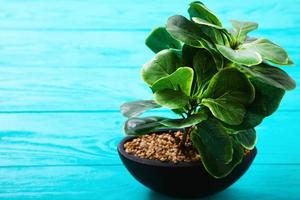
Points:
(201, 21)
(163, 64)
(271, 75)
(269, 51)
(230, 80)
(242, 56)
(187, 122)
(219, 152)
(242, 28)
(198, 9)
(159, 39)
(180, 80)
(136, 108)
(171, 98)
(247, 138)
(186, 31)
(141, 126)
(226, 109)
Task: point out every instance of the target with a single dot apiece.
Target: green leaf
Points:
(251, 120)
(136, 108)
(201, 21)
(187, 122)
(266, 102)
(159, 39)
(186, 31)
(226, 109)
(269, 51)
(267, 98)
(198, 9)
(209, 23)
(230, 80)
(215, 139)
(217, 33)
(141, 126)
(163, 64)
(204, 67)
(180, 80)
(145, 125)
(242, 28)
(271, 75)
(219, 152)
(247, 138)
(172, 99)
(241, 56)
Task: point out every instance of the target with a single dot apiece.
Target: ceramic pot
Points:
(182, 179)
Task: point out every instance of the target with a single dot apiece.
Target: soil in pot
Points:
(165, 147)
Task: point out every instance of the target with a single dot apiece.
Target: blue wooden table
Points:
(66, 66)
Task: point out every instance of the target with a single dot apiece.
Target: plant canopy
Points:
(221, 83)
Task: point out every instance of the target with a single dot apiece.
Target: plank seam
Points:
(119, 165)
(97, 111)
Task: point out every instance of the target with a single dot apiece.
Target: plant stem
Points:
(186, 132)
(184, 137)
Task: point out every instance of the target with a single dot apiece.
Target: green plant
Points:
(221, 82)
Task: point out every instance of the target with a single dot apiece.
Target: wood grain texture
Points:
(102, 49)
(83, 89)
(114, 182)
(37, 139)
(132, 14)
(66, 66)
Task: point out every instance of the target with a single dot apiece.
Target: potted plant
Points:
(222, 84)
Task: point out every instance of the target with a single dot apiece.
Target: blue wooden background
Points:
(66, 66)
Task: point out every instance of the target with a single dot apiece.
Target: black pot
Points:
(181, 179)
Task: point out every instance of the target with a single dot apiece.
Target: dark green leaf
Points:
(267, 98)
(172, 99)
(247, 138)
(242, 28)
(140, 126)
(266, 102)
(251, 119)
(217, 142)
(204, 67)
(159, 39)
(180, 80)
(163, 64)
(226, 109)
(271, 75)
(219, 153)
(186, 31)
(198, 9)
(269, 51)
(187, 122)
(230, 80)
(136, 108)
(241, 56)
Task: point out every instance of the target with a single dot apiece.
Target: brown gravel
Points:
(163, 147)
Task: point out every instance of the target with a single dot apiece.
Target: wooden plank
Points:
(66, 89)
(92, 138)
(86, 49)
(266, 182)
(111, 14)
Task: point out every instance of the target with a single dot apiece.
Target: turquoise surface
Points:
(66, 66)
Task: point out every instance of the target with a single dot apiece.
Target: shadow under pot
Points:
(183, 179)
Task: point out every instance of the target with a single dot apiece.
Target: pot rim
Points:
(158, 163)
